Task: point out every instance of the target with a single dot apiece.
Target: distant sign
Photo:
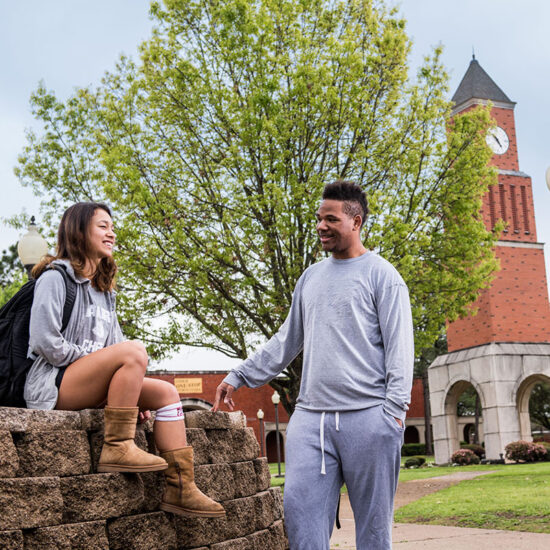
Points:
(188, 385)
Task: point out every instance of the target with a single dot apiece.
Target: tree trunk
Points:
(477, 413)
(427, 413)
(289, 387)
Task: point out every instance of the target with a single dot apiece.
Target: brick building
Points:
(197, 390)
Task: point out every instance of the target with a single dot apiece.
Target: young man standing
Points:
(351, 316)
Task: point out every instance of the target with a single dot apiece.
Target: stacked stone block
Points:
(52, 498)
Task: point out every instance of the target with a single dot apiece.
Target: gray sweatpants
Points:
(359, 448)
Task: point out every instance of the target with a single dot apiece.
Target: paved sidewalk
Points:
(409, 536)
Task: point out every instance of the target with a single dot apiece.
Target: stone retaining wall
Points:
(51, 498)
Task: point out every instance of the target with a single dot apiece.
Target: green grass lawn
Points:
(515, 497)
(274, 470)
(436, 471)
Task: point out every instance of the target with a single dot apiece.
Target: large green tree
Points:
(214, 147)
(12, 274)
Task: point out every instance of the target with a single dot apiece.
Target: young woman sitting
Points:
(90, 365)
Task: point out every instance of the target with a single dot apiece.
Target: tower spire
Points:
(477, 84)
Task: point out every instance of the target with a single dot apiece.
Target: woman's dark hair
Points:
(73, 245)
(353, 197)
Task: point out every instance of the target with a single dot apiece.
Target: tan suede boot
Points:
(120, 453)
(181, 495)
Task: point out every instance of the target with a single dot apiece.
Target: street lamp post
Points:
(31, 247)
(276, 398)
(260, 415)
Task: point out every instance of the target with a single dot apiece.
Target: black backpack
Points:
(14, 339)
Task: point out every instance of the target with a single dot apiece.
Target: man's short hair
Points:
(353, 197)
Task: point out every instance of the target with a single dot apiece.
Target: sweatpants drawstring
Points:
(322, 433)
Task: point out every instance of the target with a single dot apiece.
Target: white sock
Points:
(169, 413)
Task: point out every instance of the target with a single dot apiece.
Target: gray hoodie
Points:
(93, 325)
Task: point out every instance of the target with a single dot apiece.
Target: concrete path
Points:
(409, 536)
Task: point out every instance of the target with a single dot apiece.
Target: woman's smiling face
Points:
(101, 235)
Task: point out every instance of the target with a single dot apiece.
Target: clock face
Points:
(498, 140)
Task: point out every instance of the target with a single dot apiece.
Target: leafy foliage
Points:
(12, 274)
(464, 457)
(539, 405)
(525, 451)
(477, 449)
(415, 462)
(466, 405)
(11, 269)
(412, 449)
(214, 149)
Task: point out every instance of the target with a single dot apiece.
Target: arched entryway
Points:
(463, 407)
(523, 395)
(539, 411)
(195, 405)
(504, 375)
(271, 446)
(411, 435)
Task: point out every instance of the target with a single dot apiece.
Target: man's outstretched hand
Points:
(224, 391)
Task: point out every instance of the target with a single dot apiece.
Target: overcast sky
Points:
(71, 43)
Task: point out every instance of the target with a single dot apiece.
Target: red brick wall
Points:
(416, 408)
(505, 119)
(514, 309)
(511, 200)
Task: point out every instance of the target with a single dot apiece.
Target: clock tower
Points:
(504, 350)
(515, 308)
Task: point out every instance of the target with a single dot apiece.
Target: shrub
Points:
(415, 462)
(525, 451)
(477, 449)
(463, 457)
(412, 449)
(546, 445)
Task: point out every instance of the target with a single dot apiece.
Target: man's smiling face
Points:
(337, 230)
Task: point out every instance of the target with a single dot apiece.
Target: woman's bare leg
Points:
(154, 395)
(117, 373)
(114, 373)
(181, 495)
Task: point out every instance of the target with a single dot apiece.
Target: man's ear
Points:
(357, 220)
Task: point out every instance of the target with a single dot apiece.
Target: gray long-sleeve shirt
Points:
(352, 319)
(93, 325)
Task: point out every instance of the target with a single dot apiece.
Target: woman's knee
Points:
(156, 394)
(135, 353)
(167, 392)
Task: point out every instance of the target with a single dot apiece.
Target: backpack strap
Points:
(70, 296)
